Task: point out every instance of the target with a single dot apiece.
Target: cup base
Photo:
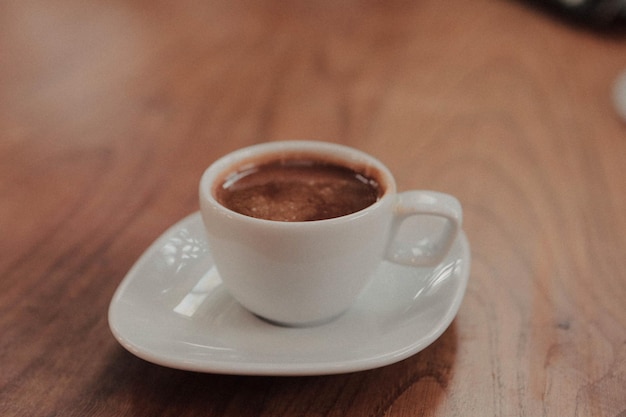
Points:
(301, 325)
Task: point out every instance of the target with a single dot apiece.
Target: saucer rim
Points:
(263, 368)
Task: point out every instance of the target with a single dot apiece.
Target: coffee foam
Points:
(303, 194)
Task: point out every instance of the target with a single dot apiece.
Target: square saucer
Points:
(171, 309)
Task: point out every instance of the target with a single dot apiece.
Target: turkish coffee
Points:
(297, 190)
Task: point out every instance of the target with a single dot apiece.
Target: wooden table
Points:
(110, 111)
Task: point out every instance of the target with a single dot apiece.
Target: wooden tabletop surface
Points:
(111, 110)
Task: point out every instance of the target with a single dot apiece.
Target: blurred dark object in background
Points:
(599, 13)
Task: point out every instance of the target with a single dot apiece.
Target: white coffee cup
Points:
(309, 272)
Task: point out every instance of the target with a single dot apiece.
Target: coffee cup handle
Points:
(431, 250)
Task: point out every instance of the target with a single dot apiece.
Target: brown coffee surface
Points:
(302, 190)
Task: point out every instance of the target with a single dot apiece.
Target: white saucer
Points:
(172, 310)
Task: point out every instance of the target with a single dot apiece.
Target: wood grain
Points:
(110, 111)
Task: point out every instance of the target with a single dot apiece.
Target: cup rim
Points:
(337, 152)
